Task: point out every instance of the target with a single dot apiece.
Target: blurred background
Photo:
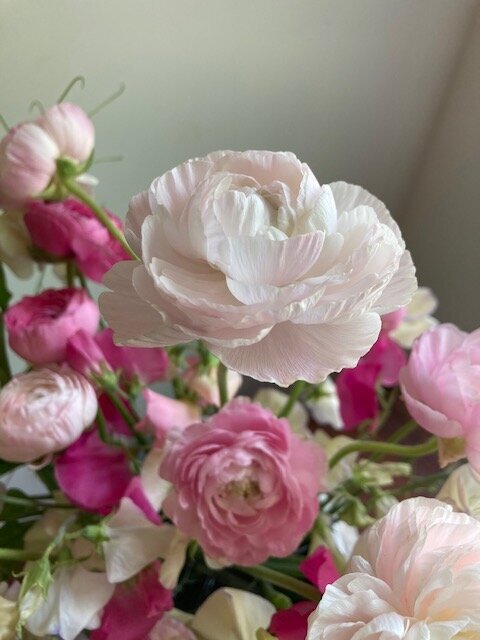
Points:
(383, 93)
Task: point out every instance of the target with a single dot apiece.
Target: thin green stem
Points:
(69, 87)
(130, 419)
(16, 555)
(101, 215)
(386, 448)
(295, 394)
(222, 383)
(70, 266)
(5, 372)
(283, 581)
(403, 432)
(108, 100)
(4, 123)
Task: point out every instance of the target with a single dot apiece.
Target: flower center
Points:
(246, 488)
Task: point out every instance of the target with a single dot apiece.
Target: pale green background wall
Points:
(357, 88)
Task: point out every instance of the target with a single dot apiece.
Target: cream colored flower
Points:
(417, 319)
(15, 244)
(462, 491)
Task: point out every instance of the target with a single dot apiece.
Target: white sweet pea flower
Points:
(134, 542)
(154, 487)
(417, 319)
(74, 602)
(232, 614)
(326, 408)
(274, 400)
(462, 491)
(282, 278)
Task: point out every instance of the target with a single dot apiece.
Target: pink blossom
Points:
(244, 485)
(135, 608)
(440, 386)
(69, 229)
(357, 387)
(71, 129)
(170, 629)
(40, 326)
(320, 568)
(164, 413)
(84, 355)
(44, 411)
(92, 474)
(292, 623)
(27, 164)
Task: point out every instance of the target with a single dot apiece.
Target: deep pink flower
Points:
(320, 568)
(357, 387)
(440, 386)
(292, 623)
(92, 474)
(40, 326)
(244, 485)
(70, 229)
(164, 413)
(135, 608)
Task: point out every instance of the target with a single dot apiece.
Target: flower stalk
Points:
(386, 448)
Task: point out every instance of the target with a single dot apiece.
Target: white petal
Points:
(423, 303)
(154, 487)
(400, 289)
(138, 211)
(303, 352)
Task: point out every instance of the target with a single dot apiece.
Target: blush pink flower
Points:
(357, 388)
(92, 474)
(292, 623)
(414, 575)
(71, 129)
(135, 608)
(243, 484)
(44, 411)
(40, 326)
(440, 386)
(319, 567)
(284, 279)
(69, 229)
(164, 414)
(171, 629)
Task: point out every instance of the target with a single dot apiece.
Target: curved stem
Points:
(295, 393)
(222, 383)
(16, 555)
(283, 581)
(108, 100)
(69, 87)
(402, 450)
(101, 215)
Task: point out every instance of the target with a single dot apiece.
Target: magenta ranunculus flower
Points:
(69, 229)
(440, 386)
(357, 388)
(135, 608)
(40, 326)
(92, 474)
(244, 485)
(292, 623)
(44, 411)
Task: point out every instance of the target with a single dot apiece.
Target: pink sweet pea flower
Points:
(135, 608)
(357, 387)
(320, 568)
(92, 474)
(292, 623)
(440, 386)
(164, 413)
(69, 229)
(243, 484)
(40, 326)
(71, 129)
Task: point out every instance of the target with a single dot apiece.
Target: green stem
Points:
(402, 450)
(101, 215)
(403, 432)
(222, 383)
(131, 420)
(295, 393)
(70, 273)
(5, 372)
(283, 581)
(18, 555)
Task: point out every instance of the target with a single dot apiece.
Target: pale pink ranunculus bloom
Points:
(282, 278)
(71, 129)
(27, 163)
(40, 326)
(414, 575)
(440, 386)
(243, 484)
(44, 411)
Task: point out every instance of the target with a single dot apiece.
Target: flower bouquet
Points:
(256, 431)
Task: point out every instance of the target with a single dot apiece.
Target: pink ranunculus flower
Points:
(165, 414)
(71, 129)
(319, 567)
(282, 278)
(440, 386)
(69, 229)
(44, 411)
(27, 164)
(135, 609)
(92, 474)
(414, 575)
(40, 326)
(292, 623)
(357, 388)
(243, 484)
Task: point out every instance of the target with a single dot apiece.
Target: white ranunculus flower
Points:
(414, 575)
(282, 278)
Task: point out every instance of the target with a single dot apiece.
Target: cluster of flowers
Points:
(191, 510)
